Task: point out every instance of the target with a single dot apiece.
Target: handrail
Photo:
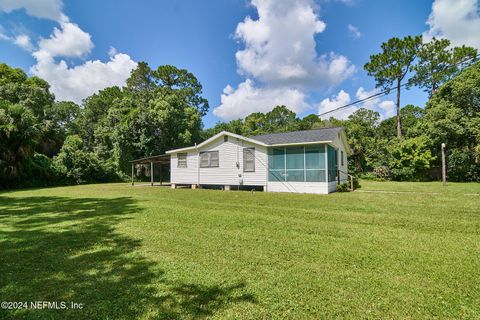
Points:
(352, 188)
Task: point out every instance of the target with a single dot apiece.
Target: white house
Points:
(311, 161)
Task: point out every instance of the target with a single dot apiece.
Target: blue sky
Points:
(277, 64)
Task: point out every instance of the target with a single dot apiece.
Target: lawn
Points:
(410, 251)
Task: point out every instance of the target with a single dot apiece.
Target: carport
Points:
(161, 160)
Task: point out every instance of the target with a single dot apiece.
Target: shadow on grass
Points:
(67, 249)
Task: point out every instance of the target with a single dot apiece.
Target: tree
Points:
(281, 119)
(438, 62)
(392, 65)
(410, 115)
(362, 137)
(409, 158)
(452, 116)
(19, 132)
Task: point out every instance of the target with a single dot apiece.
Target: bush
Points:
(40, 172)
(80, 166)
(343, 187)
(461, 166)
(382, 173)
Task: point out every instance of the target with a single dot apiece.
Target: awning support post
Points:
(132, 174)
(151, 172)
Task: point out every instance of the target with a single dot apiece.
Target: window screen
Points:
(249, 159)
(181, 160)
(208, 159)
(305, 163)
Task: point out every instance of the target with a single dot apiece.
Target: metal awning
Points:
(160, 159)
(163, 159)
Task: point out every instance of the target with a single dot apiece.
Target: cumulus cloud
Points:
(247, 98)
(280, 46)
(44, 9)
(386, 108)
(280, 60)
(78, 82)
(341, 99)
(354, 32)
(456, 20)
(23, 41)
(68, 40)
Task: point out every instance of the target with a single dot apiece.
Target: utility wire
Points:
(387, 91)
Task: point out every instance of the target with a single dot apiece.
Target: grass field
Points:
(410, 251)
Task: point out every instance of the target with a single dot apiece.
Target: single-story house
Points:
(310, 161)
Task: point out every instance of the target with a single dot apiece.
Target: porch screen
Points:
(332, 164)
(302, 164)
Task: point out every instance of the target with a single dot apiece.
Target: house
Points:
(310, 161)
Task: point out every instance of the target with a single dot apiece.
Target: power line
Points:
(387, 91)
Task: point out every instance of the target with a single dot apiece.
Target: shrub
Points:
(343, 187)
(81, 166)
(461, 166)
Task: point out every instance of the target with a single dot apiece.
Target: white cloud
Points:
(386, 108)
(246, 99)
(456, 20)
(68, 41)
(280, 46)
(354, 32)
(45, 9)
(23, 41)
(78, 82)
(341, 99)
(280, 60)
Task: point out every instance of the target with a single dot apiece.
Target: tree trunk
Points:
(399, 127)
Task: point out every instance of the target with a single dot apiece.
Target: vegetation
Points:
(46, 142)
(393, 64)
(409, 251)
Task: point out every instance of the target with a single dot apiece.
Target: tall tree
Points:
(438, 62)
(392, 65)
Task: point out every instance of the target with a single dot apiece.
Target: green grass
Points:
(141, 253)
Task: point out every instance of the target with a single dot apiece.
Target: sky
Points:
(249, 55)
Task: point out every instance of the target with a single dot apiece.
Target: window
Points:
(248, 159)
(297, 164)
(225, 138)
(208, 159)
(181, 160)
(341, 157)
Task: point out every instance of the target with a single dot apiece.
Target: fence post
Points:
(351, 183)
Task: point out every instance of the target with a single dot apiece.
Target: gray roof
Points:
(323, 134)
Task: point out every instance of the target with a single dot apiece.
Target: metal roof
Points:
(162, 158)
(315, 135)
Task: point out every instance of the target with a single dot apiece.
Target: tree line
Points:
(48, 142)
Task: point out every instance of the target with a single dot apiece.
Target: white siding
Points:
(299, 187)
(338, 144)
(227, 173)
(188, 175)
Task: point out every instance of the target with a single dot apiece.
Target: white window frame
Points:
(252, 152)
(182, 163)
(208, 154)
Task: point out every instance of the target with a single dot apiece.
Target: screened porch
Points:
(307, 163)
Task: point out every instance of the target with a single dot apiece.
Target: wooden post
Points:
(132, 173)
(351, 183)
(444, 169)
(151, 172)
